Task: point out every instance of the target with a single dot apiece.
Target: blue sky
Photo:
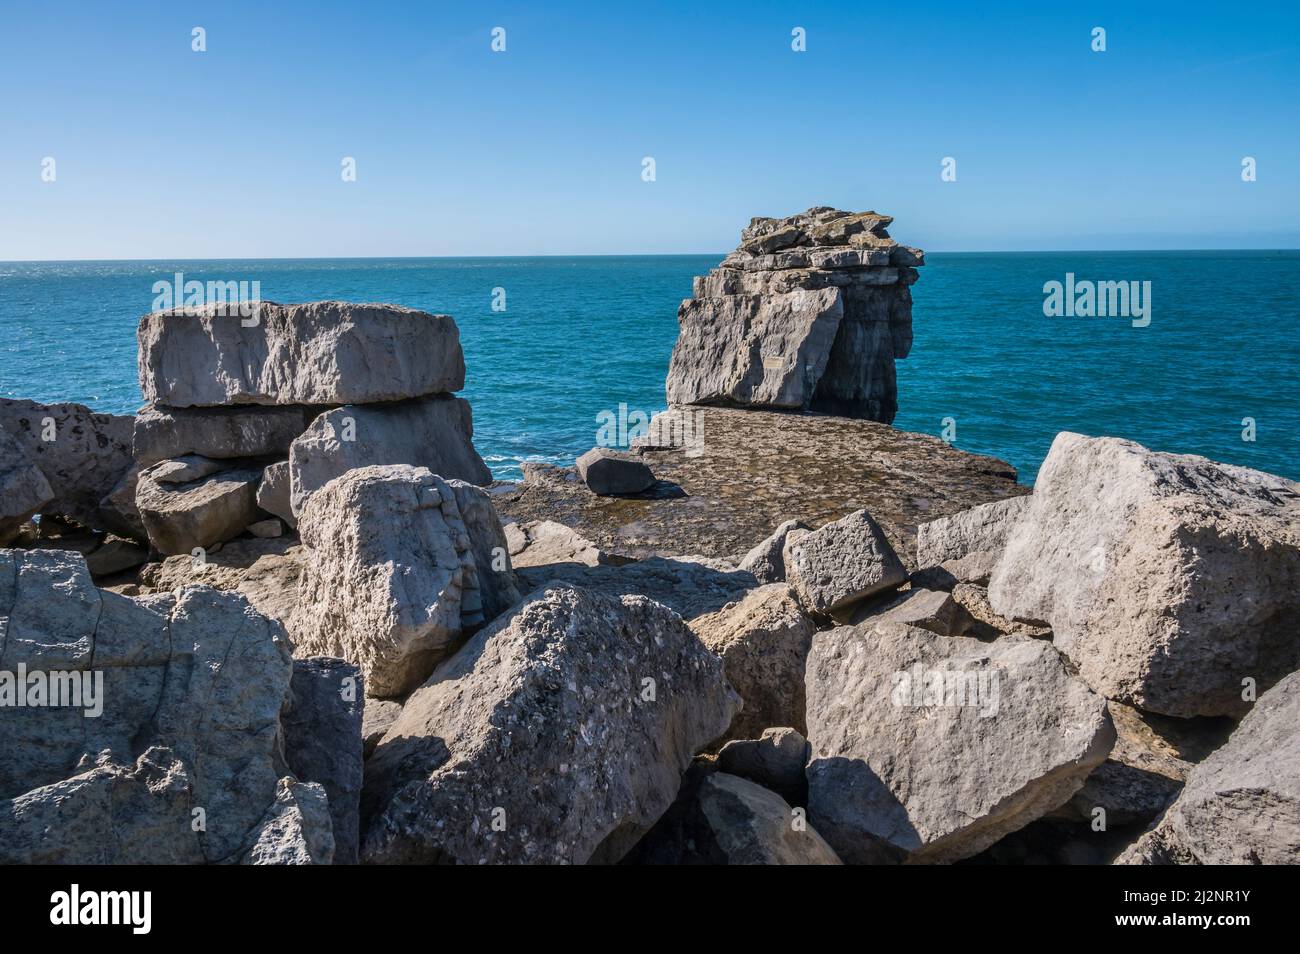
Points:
(162, 152)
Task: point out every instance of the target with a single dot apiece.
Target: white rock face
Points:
(434, 433)
(929, 748)
(1167, 579)
(389, 564)
(1242, 804)
(841, 562)
(973, 539)
(325, 352)
(193, 681)
(541, 740)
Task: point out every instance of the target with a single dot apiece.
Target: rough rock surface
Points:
(388, 563)
(775, 760)
(809, 313)
(935, 610)
(184, 506)
(739, 473)
(840, 563)
(970, 543)
(608, 472)
(89, 455)
(763, 641)
(192, 688)
(1167, 579)
(273, 492)
(767, 559)
(498, 587)
(23, 489)
(434, 433)
(265, 572)
(1242, 804)
(295, 829)
(540, 741)
(325, 352)
(378, 718)
(162, 432)
(929, 748)
(322, 741)
(541, 542)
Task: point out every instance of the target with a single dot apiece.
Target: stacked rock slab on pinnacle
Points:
(808, 313)
(251, 391)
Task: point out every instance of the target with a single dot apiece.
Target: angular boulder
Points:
(273, 492)
(763, 641)
(969, 544)
(388, 561)
(23, 488)
(557, 735)
(607, 472)
(935, 610)
(753, 826)
(1242, 804)
(841, 563)
(163, 432)
(930, 748)
(192, 502)
(434, 433)
(1167, 579)
(767, 559)
(324, 352)
(181, 762)
(498, 587)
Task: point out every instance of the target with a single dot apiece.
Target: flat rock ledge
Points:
(730, 477)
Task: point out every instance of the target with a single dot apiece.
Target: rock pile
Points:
(808, 313)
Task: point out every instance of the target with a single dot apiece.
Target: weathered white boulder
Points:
(930, 748)
(163, 432)
(434, 433)
(763, 641)
(325, 352)
(767, 560)
(498, 587)
(194, 681)
(557, 735)
(193, 502)
(1242, 804)
(969, 543)
(841, 562)
(84, 455)
(542, 542)
(1167, 579)
(387, 565)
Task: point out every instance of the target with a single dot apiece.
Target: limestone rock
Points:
(498, 587)
(930, 748)
(775, 760)
(388, 559)
(1242, 804)
(763, 641)
(607, 472)
(322, 742)
(378, 718)
(162, 433)
(263, 571)
(542, 542)
(434, 433)
(180, 514)
(87, 457)
(194, 681)
(934, 610)
(753, 826)
(114, 555)
(767, 560)
(325, 352)
(543, 724)
(840, 563)
(295, 829)
(266, 529)
(808, 313)
(969, 543)
(273, 493)
(23, 489)
(1167, 579)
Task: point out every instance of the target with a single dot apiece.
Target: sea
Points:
(554, 346)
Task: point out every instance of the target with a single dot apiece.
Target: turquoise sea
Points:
(580, 336)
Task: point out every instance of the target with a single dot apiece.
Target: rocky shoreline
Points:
(768, 628)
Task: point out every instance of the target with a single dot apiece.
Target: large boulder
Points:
(1168, 580)
(170, 749)
(763, 641)
(323, 743)
(389, 563)
(969, 544)
(557, 735)
(1242, 804)
(263, 571)
(325, 352)
(754, 826)
(929, 748)
(808, 313)
(193, 502)
(23, 488)
(84, 456)
(162, 432)
(498, 587)
(841, 563)
(434, 433)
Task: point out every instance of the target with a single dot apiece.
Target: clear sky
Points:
(163, 152)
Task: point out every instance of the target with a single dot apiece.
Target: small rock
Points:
(775, 760)
(766, 560)
(608, 472)
(934, 610)
(840, 563)
(266, 528)
(273, 493)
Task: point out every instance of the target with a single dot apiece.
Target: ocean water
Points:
(581, 336)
